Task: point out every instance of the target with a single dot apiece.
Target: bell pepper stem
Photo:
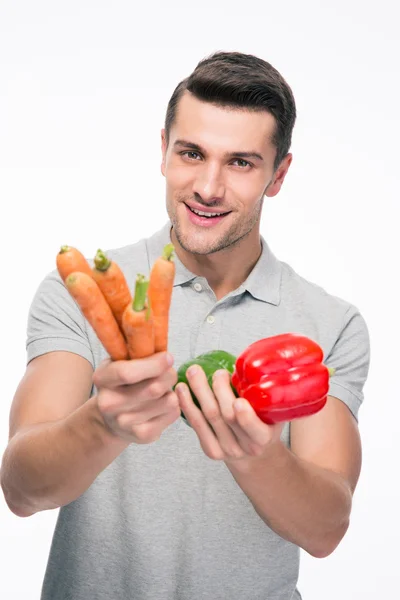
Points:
(331, 371)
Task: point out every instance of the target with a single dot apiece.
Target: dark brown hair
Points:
(237, 80)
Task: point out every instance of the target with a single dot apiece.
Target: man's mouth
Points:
(206, 214)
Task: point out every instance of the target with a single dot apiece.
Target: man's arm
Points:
(305, 494)
(57, 442)
(60, 440)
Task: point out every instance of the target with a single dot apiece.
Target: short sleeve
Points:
(350, 357)
(55, 322)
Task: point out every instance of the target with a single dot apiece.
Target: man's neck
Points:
(226, 270)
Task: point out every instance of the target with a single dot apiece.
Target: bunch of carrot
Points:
(128, 327)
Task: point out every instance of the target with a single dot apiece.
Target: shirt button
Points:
(210, 319)
(198, 287)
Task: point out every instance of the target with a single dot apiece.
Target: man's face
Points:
(218, 160)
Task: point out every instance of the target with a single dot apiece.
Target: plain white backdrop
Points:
(83, 90)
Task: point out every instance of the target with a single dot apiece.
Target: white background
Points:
(83, 92)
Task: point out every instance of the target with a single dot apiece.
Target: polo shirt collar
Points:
(263, 283)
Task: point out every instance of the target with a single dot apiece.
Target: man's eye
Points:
(242, 163)
(191, 154)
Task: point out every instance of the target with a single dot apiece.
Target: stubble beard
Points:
(233, 237)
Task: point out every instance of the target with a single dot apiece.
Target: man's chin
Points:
(197, 249)
(194, 247)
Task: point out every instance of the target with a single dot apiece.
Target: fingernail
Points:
(179, 389)
(192, 370)
(219, 373)
(170, 359)
(239, 405)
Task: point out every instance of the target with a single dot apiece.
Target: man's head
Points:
(225, 145)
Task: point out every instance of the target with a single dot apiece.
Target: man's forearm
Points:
(51, 464)
(303, 503)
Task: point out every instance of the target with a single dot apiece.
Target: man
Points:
(150, 507)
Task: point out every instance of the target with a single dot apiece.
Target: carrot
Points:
(69, 260)
(137, 322)
(160, 292)
(94, 307)
(111, 280)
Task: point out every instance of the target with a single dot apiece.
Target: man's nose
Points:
(209, 184)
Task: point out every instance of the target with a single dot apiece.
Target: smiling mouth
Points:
(208, 215)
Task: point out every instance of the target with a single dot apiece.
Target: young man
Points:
(150, 507)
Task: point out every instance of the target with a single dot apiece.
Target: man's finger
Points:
(226, 398)
(212, 412)
(195, 417)
(111, 374)
(259, 432)
(138, 396)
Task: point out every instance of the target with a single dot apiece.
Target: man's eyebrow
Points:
(197, 148)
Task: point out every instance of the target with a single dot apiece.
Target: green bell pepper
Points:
(209, 362)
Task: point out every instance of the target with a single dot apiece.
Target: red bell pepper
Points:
(282, 377)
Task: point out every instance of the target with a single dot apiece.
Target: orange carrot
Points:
(137, 322)
(111, 280)
(94, 307)
(160, 292)
(69, 260)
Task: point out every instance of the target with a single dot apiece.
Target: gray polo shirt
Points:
(163, 521)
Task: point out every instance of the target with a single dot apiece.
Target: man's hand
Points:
(227, 427)
(305, 497)
(135, 397)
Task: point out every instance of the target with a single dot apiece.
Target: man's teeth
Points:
(204, 214)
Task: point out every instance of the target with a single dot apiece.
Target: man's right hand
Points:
(58, 448)
(135, 397)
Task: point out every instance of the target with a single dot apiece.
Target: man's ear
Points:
(275, 185)
(163, 151)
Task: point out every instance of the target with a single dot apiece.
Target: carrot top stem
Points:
(139, 301)
(168, 252)
(102, 263)
(64, 249)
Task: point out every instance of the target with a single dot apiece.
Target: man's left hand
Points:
(227, 427)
